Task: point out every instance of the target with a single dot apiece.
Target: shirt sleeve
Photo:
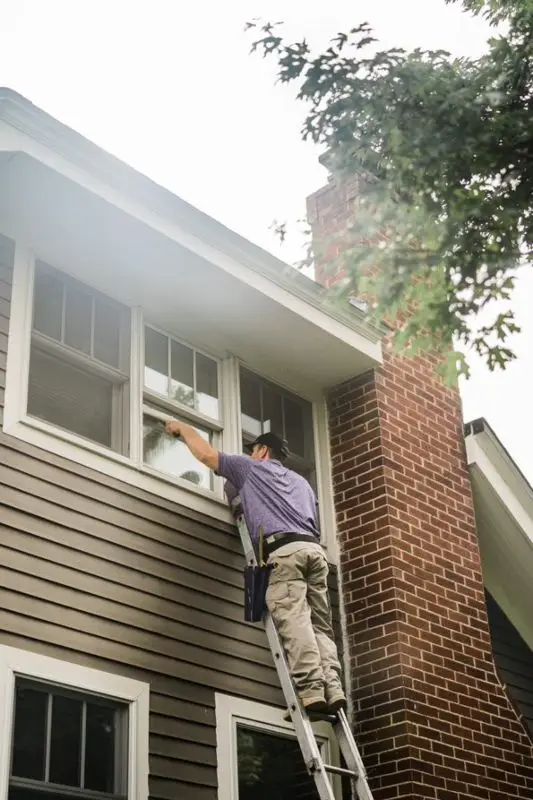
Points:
(235, 469)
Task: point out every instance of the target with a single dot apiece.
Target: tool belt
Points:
(282, 538)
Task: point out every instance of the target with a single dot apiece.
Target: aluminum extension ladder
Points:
(313, 760)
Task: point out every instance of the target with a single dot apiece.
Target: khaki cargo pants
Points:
(297, 597)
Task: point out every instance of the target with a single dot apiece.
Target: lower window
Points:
(271, 765)
(64, 741)
(70, 732)
(259, 757)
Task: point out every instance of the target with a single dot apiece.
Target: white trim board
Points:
(504, 521)
(230, 711)
(24, 663)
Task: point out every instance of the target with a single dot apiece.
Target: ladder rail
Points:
(303, 728)
(352, 757)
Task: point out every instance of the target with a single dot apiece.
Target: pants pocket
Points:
(277, 593)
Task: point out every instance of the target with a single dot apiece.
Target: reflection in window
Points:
(271, 767)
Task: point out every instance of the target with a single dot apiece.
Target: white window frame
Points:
(130, 469)
(230, 711)
(16, 663)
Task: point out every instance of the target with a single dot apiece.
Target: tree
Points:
(444, 150)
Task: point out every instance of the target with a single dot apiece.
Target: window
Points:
(271, 765)
(64, 739)
(79, 360)
(68, 731)
(267, 408)
(258, 755)
(180, 383)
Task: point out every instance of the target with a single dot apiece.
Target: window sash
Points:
(164, 399)
(214, 438)
(67, 282)
(118, 381)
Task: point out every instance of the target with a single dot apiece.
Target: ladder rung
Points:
(340, 771)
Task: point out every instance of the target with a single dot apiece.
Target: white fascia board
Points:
(13, 140)
(493, 464)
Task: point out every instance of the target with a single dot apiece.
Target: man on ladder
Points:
(283, 504)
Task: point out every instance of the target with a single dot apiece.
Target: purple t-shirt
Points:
(272, 495)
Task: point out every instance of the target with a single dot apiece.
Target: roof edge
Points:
(21, 113)
(481, 426)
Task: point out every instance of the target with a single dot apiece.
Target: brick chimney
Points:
(433, 719)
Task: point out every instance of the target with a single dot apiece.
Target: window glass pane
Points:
(272, 415)
(70, 398)
(181, 374)
(170, 455)
(107, 319)
(295, 426)
(78, 320)
(271, 766)
(65, 742)
(155, 361)
(29, 740)
(100, 748)
(250, 404)
(207, 386)
(47, 304)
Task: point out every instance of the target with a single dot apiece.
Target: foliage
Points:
(443, 148)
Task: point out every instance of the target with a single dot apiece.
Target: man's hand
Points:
(200, 449)
(173, 427)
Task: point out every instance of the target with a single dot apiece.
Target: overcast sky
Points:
(170, 88)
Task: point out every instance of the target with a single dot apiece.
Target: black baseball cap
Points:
(279, 446)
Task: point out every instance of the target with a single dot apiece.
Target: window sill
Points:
(99, 459)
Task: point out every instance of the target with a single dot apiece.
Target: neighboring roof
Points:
(481, 425)
(20, 113)
(503, 500)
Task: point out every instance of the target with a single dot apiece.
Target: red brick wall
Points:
(434, 721)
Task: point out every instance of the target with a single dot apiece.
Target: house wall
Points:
(434, 720)
(102, 574)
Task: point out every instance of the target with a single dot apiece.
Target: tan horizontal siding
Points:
(104, 574)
